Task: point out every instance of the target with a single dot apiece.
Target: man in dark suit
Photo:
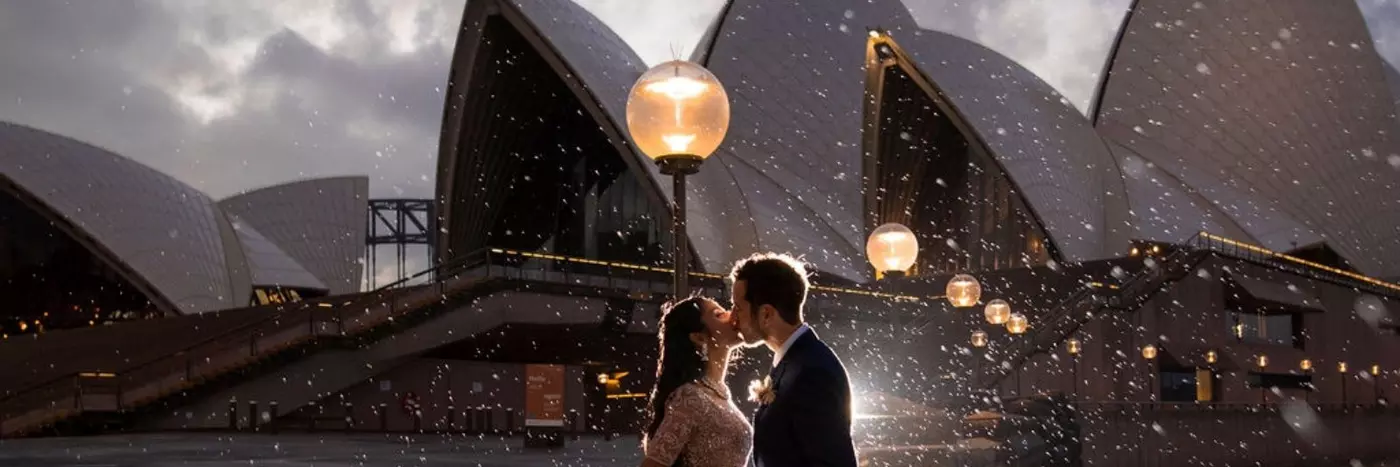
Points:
(805, 414)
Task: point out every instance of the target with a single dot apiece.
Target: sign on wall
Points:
(544, 395)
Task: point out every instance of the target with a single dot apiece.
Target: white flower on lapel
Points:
(762, 391)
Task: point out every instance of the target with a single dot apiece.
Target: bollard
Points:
(490, 426)
(272, 416)
(233, 413)
(451, 419)
(572, 420)
(315, 413)
(253, 416)
(349, 416)
(383, 417)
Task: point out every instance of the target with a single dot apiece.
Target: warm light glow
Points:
(677, 108)
(602, 378)
(963, 291)
(1305, 365)
(1017, 324)
(892, 247)
(1133, 252)
(1211, 357)
(1262, 361)
(997, 311)
(979, 339)
(1149, 352)
(1375, 370)
(1341, 367)
(1073, 346)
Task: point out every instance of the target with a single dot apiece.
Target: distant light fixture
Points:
(1342, 367)
(1133, 252)
(1305, 365)
(1149, 352)
(1017, 324)
(1074, 347)
(979, 339)
(1375, 370)
(998, 312)
(1211, 357)
(963, 291)
(602, 378)
(875, 34)
(892, 249)
(1262, 361)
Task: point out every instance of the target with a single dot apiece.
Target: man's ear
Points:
(767, 312)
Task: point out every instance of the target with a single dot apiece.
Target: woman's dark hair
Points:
(678, 361)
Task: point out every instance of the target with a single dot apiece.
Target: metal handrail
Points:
(72, 383)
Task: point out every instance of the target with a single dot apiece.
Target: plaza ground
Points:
(307, 450)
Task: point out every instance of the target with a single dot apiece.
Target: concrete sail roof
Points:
(1050, 151)
(167, 233)
(268, 265)
(319, 225)
(788, 177)
(1277, 112)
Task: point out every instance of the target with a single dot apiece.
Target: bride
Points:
(694, 422)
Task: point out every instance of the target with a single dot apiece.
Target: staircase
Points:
(100, 394)
(1070, 314)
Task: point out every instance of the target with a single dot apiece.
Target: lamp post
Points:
(1149, 353)
(1376, 381)
(677, 114)
(978, 341)
(1306, 365)
(892, 249)
(1074, 347)
(1342, 371)
(1017, 325)
(1262, 361)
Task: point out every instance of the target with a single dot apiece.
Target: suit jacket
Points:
(809, 421)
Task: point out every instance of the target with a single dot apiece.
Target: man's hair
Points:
(773, 279)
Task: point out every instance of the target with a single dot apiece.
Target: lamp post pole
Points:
(678, 166)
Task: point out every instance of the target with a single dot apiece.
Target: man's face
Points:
(745, 317)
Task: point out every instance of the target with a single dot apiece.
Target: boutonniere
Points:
(762, 391)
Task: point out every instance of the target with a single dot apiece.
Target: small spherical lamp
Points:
(1341, 367)
(997, 312)
(1212, 357)
(1149, 352)
(1074, 347)
(1305, 365)
(892, 249)
(1262, 361)
(678, 114)
(979, 339)
(963, 291)
(1017, 324)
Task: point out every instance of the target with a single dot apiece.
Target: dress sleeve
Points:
(682, 409)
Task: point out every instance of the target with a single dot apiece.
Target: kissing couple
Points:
(804, 416)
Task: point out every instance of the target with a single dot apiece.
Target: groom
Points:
(805, 416)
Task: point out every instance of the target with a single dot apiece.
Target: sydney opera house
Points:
(1208, 257)
(89, 237)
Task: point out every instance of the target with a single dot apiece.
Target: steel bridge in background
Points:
(399, 222)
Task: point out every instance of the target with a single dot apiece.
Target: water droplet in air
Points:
(1001, 131)
(1285, 34)
(1202, 68)
(850, 14)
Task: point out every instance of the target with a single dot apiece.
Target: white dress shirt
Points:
(778, 356)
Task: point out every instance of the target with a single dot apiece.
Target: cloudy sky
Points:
(231, 95)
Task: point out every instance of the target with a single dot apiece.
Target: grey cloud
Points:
(102, 72)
